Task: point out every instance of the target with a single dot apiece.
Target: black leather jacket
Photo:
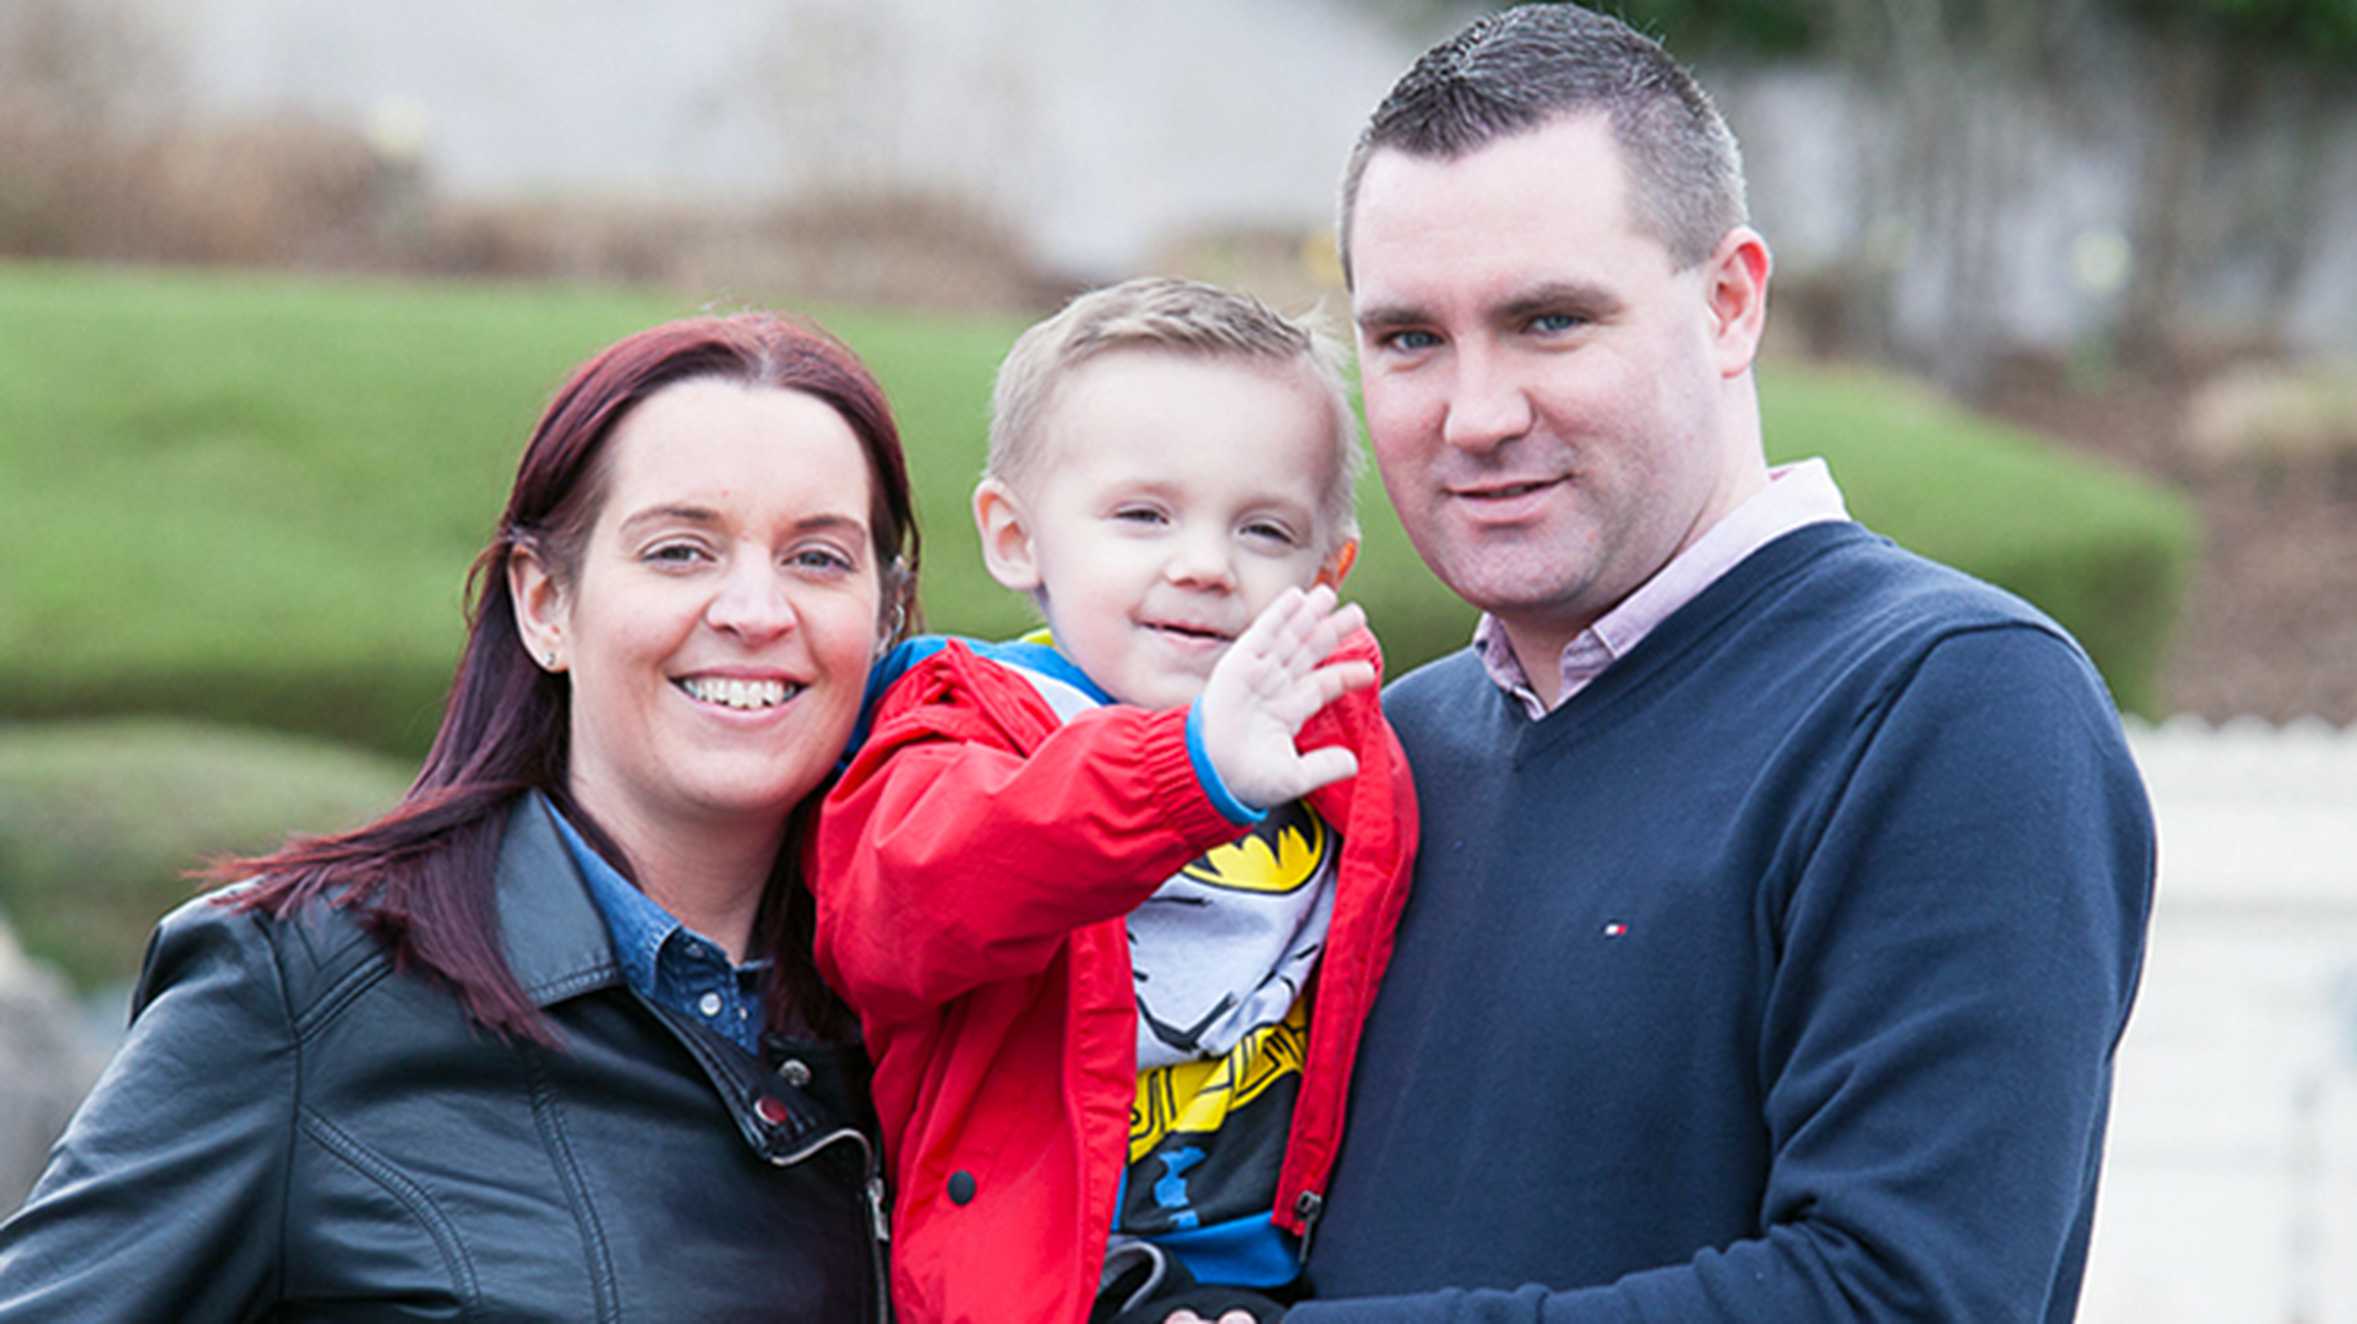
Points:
(293, 1131)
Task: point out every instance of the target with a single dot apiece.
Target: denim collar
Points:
(637, 925)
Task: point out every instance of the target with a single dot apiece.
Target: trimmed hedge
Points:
(252, 498)
(100, 822)
(2102, 550)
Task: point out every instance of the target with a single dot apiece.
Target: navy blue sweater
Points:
(1774, 976)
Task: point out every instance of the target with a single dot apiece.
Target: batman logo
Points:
(1281, 854)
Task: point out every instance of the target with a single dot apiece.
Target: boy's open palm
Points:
(1269, 683)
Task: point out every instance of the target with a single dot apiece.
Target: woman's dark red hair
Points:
(422, 876)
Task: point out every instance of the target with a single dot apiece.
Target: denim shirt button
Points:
(709, 1004)
(794, 1071)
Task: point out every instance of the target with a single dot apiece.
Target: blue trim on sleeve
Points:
(1040, 656)
(1222, 799)
(1029, 654)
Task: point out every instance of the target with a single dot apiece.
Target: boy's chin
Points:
(1163, 691)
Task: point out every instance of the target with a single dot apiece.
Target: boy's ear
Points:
(539, 606)
(1006, 536)
(1337, 566)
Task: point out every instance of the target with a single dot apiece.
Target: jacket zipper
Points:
(1307, 1208)
(879, 1228)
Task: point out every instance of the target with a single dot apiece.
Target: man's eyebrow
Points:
(1377, 316)
(1587, 298)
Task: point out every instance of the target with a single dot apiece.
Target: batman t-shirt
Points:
(1222, 954)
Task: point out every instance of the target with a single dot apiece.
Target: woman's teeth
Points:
(738, 693)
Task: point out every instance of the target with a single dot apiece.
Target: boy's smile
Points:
(1178, 495)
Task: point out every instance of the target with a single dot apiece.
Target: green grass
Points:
(101, 820)
(251, 498)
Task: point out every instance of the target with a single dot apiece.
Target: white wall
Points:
(1099, 128)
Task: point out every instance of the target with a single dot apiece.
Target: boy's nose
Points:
(1202, 562)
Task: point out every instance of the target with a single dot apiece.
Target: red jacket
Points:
(972, 869)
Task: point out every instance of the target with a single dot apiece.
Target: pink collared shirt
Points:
(1796, 495)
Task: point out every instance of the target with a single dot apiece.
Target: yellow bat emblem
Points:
(1282, 854)
(1196, 1097)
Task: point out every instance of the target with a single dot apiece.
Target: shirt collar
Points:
(637, 925)
(1797, 495)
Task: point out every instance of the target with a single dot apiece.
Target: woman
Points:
(545, 1041)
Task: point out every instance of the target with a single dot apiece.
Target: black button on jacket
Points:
(293, 1131)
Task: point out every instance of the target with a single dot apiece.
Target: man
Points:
(1782, 894)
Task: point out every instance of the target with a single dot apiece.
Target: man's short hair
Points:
(1516, 70)
(1174, 316)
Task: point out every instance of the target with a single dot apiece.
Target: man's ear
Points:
(1337, 567)
(1006, 536)
(539, 605)
(1735, 288)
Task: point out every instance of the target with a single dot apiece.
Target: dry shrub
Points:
(290, 191)
(1291, 268)
(911, 250)
(900, 250)
(263, 192)
(2290, 415)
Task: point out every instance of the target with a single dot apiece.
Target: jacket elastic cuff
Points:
(1222, 799)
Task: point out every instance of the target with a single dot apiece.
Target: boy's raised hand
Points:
(1270, 682)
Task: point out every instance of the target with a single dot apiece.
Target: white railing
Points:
(2230, 1187)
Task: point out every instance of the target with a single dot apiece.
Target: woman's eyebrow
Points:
(680, 512)
(831, 520)
(672, 512)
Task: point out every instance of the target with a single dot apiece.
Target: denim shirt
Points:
(665, 961)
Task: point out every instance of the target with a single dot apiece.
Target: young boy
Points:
(1073, 886)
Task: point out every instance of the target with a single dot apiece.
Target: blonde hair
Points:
(1180, 316)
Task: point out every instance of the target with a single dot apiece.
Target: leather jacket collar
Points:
(556, 942)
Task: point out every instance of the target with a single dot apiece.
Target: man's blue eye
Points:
(1556, 323)
(1411, 341)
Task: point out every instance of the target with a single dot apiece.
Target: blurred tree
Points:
(2271, 76)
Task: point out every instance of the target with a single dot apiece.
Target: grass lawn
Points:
(251, 498)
